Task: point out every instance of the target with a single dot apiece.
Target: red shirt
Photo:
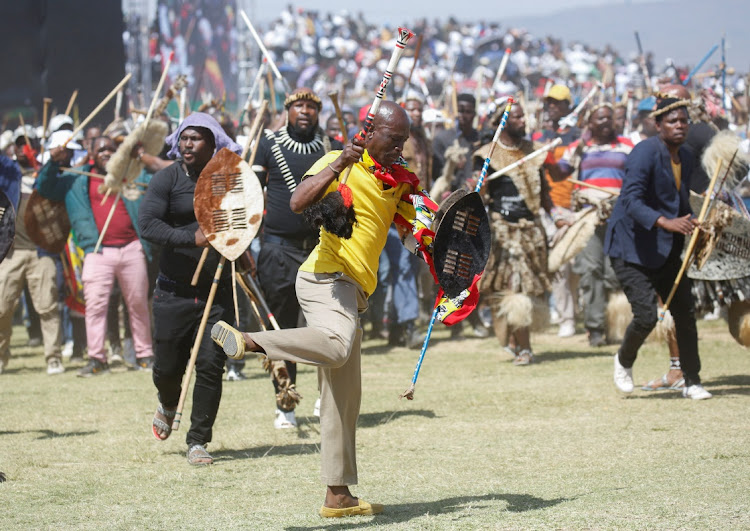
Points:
(120, 231)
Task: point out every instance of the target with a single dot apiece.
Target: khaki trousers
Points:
(331, 341)
(39, 272)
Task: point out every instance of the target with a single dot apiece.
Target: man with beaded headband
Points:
(283, 158)
(645, 237)
(515, 278)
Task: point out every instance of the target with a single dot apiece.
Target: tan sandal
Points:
(197, 455)
(160, 425)
(230, 339)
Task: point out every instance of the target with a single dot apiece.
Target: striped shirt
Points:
(598, 164)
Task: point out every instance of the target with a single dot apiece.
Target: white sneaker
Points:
(55, 366)
(284, 420)
(234, 375)
(567, 329)
(316, 409)
(554, 317)
(623, 376)
(67, 350)
(696, 392)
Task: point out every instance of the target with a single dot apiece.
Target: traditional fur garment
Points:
(526, 177)
(518, 261)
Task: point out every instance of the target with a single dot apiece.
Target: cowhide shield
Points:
(7, 225)
(573, 239)
(725, 253)
(228, 203)
(462, 241)
(47, 223)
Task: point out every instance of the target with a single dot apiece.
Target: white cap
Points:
(58, 138)
(19, 132)
(58, 120)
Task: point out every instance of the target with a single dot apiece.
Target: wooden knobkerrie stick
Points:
(693, 240)
(197, 344)
(45, 110)
(253, 304)
(98, 108)
(23, 127)
(107, 222)
(593, 187)
(71, 101)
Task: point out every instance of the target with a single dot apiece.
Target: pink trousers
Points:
(128, 265)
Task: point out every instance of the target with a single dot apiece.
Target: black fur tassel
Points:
(332, 214)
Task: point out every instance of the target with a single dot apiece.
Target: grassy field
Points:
(484, 445)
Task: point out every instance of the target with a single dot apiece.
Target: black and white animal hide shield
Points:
(462, 241)
(7, 225)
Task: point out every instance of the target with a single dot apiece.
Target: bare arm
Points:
(312, 188)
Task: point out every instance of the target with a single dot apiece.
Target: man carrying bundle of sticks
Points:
(333, 286)
(122, 256)
(645, 236)
(282, 159)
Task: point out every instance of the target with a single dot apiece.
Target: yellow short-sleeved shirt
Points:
(374, 208)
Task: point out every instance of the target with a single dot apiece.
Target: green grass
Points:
(484, 445)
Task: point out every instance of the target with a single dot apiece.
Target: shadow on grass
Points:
(370, 420)
(258, 452)
(51, 434)
(404, 512)
(738, 384)
(563, 355)
(366, 420)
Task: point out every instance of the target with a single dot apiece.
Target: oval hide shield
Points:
(228, 203)
(462, 241)
(47, 223)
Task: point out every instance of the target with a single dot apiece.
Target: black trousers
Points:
(176, 322)
(277, 274)
(641, 286)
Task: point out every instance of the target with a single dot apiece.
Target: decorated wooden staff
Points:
(460, 252)
(335, 212)
(228, 203)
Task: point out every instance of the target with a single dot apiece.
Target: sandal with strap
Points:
(524, 357)
(197, 455)
(159, 425)
(662, 384)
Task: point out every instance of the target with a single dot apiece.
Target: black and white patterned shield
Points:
(462, 241)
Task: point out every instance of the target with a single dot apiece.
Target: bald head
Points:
(390, 130)
(676, 91)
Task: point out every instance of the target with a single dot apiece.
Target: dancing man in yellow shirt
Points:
(333, 285)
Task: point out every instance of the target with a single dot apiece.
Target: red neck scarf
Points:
(395, 174)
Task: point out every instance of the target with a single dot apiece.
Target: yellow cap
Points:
(560, 93)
